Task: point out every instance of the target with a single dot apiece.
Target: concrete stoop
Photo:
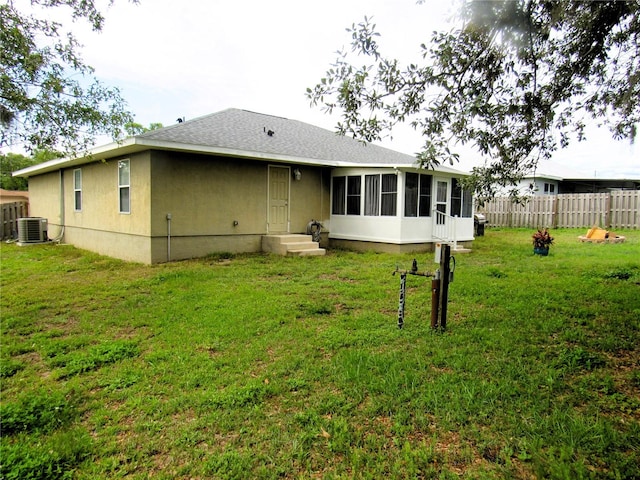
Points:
(291, 244)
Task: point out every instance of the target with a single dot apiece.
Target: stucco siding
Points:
(220, 204)
(310, 198)
(44, 200)
(132, 248)
(100, 194)
(207, 195)
(99, 208)
(215, 204)
(164, 249)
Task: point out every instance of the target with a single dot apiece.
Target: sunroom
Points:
(408, 209)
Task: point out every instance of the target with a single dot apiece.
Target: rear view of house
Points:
(222, 182)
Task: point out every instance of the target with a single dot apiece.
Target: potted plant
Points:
(541, 242)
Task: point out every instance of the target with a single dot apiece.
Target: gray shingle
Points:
(248, 131)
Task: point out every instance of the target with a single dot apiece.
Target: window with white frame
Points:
(549, 189)
(346, 195)
(338, 195)
(124, 186)
(461, 201)
(380, 196)
(389, 195)
(372, 195)
(417, 195)
(77, 189)
(354, 187)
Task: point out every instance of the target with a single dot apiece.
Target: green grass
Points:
(272, 367)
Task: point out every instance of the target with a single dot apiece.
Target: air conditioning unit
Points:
(32, 230)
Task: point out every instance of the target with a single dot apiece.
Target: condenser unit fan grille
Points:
(32, 230)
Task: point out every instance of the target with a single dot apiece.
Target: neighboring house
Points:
(222, 182)
(597, 185)
(541, 184)
(548, 184)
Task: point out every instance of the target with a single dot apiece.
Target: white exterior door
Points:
(441, 201)
(278, 221)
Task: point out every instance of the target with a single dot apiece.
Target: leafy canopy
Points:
(517, 79)
(49, 98)
(15, 161)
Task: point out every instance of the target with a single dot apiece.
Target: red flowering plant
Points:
(542, 239)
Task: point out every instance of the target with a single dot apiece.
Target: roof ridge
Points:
(181, 123)
(259, 113)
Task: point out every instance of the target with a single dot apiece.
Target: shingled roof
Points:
(253, 132)
(244, 134)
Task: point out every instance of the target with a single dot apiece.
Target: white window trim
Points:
(342, 201)
(77, 189)
(422, 179)
(121, 186)
(364, 209)
(385, 195)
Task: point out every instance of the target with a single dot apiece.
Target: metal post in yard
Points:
(445, 271)
(403, 286)
(435, 300)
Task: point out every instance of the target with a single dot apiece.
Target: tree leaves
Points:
(48, 97)
(517, 79)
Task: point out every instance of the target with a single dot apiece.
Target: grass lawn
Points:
(273, 367)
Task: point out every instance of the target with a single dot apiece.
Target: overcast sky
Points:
(194, 57)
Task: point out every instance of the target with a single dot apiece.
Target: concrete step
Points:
(310, 252)
(300, 245)
(291, 244)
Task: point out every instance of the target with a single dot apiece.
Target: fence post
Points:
(512, 215)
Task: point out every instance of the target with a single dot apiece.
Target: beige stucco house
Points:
(223, 182)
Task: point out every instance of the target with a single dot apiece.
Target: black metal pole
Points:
(445, 271)
(403, 285)
(435, 300)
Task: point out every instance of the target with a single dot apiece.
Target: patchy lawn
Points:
(272, 367)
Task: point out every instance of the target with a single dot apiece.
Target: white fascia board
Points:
(374, 165)
(134, 145)
(232, 152)
(403, 167)
(99, 153)
(137, 144)
(542, 176)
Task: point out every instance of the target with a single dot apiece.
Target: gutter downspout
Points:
(62, 215)
(168, 237)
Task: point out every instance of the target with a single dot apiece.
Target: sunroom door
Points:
(442, 199)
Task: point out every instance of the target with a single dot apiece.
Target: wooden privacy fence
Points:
(11, 212)
(617, 209)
